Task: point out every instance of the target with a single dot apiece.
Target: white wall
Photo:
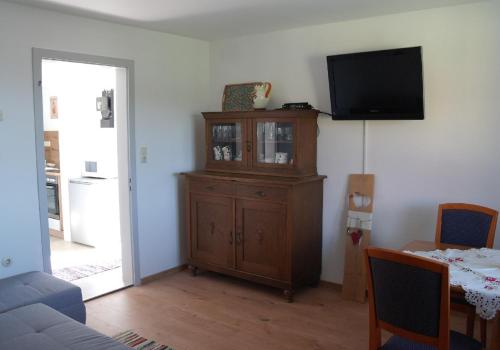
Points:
(453, 155)
(171, 84)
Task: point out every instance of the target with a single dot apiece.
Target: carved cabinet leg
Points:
(288, 293)
(193, 269)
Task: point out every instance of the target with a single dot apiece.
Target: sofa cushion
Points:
(39, 327)
(39, 287)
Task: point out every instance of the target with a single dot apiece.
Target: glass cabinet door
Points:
(227, 142)
(275, 143)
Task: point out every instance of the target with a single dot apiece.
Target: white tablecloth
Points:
(477, 271)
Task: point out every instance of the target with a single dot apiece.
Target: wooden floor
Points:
(216, 312)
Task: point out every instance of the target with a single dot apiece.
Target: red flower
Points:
(491, 279)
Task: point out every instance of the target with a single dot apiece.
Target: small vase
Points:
(262, 95)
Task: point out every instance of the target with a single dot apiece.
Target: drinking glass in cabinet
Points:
(275, 143)
(226, 142)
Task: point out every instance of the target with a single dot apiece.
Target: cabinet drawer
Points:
(262, 192)
(212, 187)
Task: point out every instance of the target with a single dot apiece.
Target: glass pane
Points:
(226, 142)
(275, 143)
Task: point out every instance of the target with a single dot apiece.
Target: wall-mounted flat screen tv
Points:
(377, 85)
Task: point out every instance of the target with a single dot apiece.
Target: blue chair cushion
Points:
(39, 327)
(407, 296)
(39, 287)
(465, 227)
(458, 341)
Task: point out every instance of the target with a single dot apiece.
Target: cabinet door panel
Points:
(261, 238)
(275, 143)
(211, 230)
(227, 146)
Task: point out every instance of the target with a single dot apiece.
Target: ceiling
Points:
(217, 19)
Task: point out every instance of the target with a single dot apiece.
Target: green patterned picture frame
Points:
(239, 97)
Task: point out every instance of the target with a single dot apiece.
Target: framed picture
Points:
(54, 109)
(239, 97)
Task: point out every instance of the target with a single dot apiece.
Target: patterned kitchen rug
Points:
(76, 272)
(135, 341)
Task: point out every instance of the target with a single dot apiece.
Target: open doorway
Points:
(86, 164)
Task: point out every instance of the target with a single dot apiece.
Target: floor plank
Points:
(211, 311)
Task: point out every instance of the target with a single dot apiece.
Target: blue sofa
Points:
(39, 311)
(38, 287)
(40, 327)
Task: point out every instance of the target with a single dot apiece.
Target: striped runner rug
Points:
(135, 341)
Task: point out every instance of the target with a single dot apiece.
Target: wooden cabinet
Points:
(255, 213)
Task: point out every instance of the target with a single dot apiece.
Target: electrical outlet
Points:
(7, 261)
(143, 154)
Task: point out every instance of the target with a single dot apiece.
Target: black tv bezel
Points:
(374, 115)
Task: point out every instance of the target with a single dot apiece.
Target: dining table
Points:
(461, 275)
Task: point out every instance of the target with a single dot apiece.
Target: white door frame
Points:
(38, 56)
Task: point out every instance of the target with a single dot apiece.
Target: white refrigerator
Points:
(94, 212)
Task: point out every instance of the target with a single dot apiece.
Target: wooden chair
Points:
(409, 296)
(468, 225)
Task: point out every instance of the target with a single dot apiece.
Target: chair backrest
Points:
(466, 224)
(409, 296)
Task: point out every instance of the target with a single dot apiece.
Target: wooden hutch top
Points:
(268, 142)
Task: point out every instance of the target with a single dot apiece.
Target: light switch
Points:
(143, 154)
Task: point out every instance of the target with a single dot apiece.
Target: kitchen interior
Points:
(81, 157)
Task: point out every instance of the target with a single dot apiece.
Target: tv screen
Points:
(381, 85)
